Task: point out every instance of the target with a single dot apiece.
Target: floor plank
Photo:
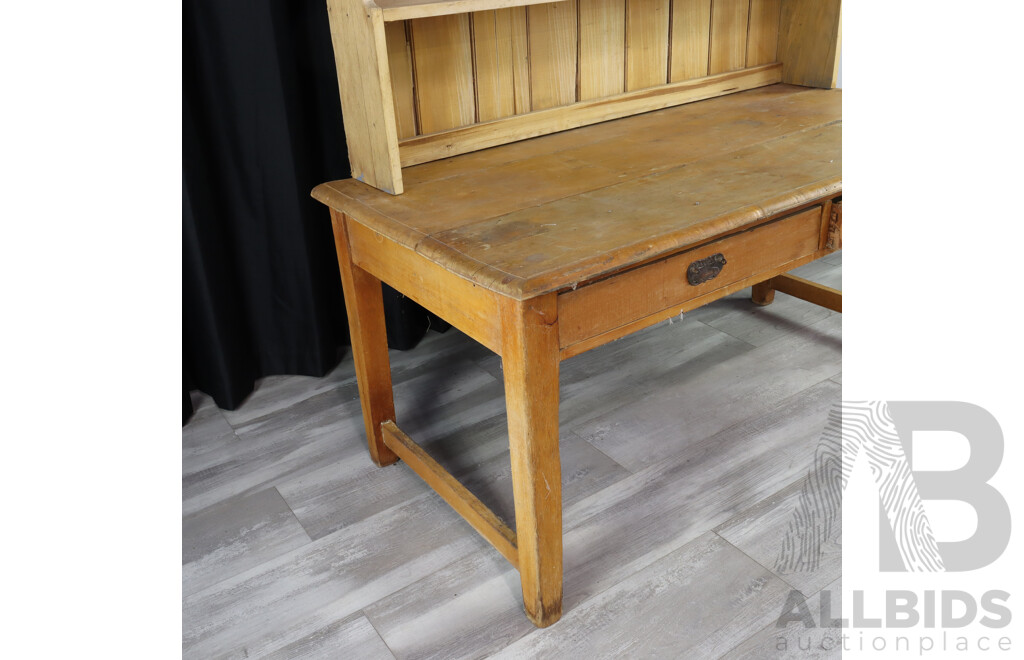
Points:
(433, 385)
(293, 596)
(350, 638)
(620, 374)
(834, 258)
(827, 271)
(207, 431)
(698, 400)
(795, 642)
(347, 491)
(702, 598)
(644, 516)
(235, 535)
(760, 530)
(299, 439)
(468, 609)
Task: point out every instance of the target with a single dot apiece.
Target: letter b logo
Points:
(967, 484)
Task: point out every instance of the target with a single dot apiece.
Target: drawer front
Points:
(688, 277)
(834, 240)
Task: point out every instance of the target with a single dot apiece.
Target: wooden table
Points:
(545, 248)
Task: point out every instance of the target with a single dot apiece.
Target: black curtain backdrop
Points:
(261, 127)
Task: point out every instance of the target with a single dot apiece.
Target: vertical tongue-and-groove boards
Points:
(457, 70)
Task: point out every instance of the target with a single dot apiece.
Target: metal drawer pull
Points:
(705, 270)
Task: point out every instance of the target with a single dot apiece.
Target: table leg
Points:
(365, 308)
(763, 293)
(530, 362)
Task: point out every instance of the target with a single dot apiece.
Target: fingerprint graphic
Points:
(856, 428)
(818, 514)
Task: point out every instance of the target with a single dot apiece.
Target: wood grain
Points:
(501, 57)
(763, 32)
(653, 182)
(553, 46)
(397, 10)
(646, 43)
(482, 136)
(465, 305)
(810, 32)
(602, 39)
(634, 135)
(762, 293)
(365, 307)
(453, 201)
(570, 241)
(364, 83)
(400, 63)
(444, 72)
(600, 307)
(465, 503)
(812, 292)
(520, 59)
(691, 39)
(448, 83)
(670, 313)
(728, 35)
(530, 357)
(492, 52)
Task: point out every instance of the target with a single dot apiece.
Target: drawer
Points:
(834, 239)
(686, 280)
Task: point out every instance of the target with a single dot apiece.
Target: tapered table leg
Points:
(365, 308)
(530, 360)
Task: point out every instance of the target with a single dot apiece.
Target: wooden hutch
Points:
(539, 175)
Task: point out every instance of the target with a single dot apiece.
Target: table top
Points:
(548, 213)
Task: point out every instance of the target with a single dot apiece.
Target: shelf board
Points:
(435, 146)
(400, 10)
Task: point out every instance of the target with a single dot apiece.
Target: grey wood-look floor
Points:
(684, 449)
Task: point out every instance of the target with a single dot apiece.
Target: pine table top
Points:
(547, 213)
